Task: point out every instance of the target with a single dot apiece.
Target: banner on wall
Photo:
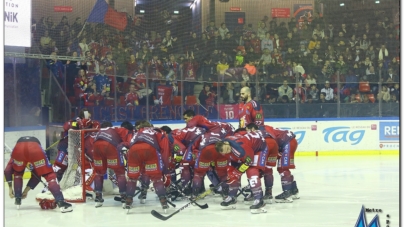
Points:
(303, 12)
(280, 12)
(17, 23)
(63, 9)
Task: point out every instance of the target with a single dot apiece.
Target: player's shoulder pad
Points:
(236, 147)
(255, 105)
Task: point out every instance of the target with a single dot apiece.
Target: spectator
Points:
(328, 92)
(384, 94)
(229, 94)
(223, 31)
(285, 89)
(132, 98)
(207, 97)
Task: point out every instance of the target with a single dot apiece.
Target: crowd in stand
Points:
(308, 62)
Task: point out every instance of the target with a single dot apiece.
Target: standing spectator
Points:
(132, 98)
(207, 97)
(223, 30)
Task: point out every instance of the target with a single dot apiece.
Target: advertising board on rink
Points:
(389, 135)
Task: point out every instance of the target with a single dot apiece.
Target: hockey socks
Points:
(268, 178)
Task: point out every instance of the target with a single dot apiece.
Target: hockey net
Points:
(76, 180)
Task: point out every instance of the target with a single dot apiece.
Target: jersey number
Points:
(229, 114)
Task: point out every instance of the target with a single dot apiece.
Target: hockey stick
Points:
(204, 206)
(36, 176)
(164, 218)
(56, 143)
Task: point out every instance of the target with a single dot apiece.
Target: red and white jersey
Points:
(132, 99)
(114, 135)
(188, 136)
(251, 112)
(244, 147)
(282, 137)
(164, 94)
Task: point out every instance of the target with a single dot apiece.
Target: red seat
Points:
(364, 87)
(191, 100)
(122, 101)
(176, 100)
(371, 97)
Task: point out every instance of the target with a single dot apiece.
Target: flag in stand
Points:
(103, 13)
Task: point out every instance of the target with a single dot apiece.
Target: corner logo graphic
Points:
(361, 222)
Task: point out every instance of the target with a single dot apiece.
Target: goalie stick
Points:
(164, 218)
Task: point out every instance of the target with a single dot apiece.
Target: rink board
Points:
(316, 137)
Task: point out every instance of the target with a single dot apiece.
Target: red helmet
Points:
(47, 204)
(95, 124)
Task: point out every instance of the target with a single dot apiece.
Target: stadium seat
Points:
(191, 100)
(122, 101)
(371, 97)
(176, 100)
(364, 87)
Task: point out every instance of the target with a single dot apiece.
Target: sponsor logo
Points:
(271, 159)
(98, 162)
(389, 131)
(18, 163)
(133, 169)
(61, 156)
(150, 167)
(39, 163)
(258, 116)
(343, 134)
(248, 160)
(314, 128)
(375, 222)
(112, 162)
(176, 148)
(222, 164)
(204, 164)
(373, 127)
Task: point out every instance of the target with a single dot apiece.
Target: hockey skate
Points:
(128, 203)
(164, 204)
(268, 195)
(284, 197)
(294, 191)
(229, 203)
(258, 207)
(143, 195)
(249, 199)
(64, 207)
(99, 201)
(17, 202)
(123, 200)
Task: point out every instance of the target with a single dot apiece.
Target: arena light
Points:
(341, 4)
(141, 11)
(377, 2)
(176, 12)
(193, 4)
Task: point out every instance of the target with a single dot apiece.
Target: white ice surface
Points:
(332, 190)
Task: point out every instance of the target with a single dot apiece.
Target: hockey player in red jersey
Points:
(108, 144)
(247, 153)
(271, 161)
(252, 111)
(204, 148)
(287, 147)
(149, 149)
(193, 120)
(28, 150)
(187, 137)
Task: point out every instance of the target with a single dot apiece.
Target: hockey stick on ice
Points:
(204, 206)
(164, 218)
(36, 176)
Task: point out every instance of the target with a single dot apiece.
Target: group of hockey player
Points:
(155, 155)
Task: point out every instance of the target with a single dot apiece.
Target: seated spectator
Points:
(328, 92)
(132, 98)
(285, 90)
(383, 95)
(314, 92)
(284, 99)
(250, 66)
(323, 98)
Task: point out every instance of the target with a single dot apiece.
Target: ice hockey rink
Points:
(332, 192)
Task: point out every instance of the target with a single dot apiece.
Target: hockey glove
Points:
(234, 176)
